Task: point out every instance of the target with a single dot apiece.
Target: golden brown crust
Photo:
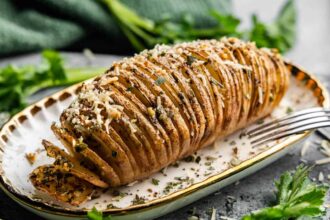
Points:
(164, 104)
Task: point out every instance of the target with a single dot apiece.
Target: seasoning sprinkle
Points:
(289, 110)
(160, 80)
(190, 60)
(155, 181)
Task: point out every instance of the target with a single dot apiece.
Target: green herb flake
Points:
(190, 60)
(155, 181)
(189, 158)
(114, 154)
(129, 88)
(138, 200)
(198, 159)
(160, 80)
(289, 110)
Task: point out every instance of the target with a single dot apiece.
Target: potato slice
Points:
(63, 186)
(70, 164)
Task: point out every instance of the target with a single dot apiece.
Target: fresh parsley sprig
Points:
(280, 34)
(297, 197)
(145, 33)
(18, 83)
(94, 214)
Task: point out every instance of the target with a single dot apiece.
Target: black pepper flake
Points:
(189, 158)
(130, 88)
(181, 96)
(114, 153)
(198, 159)
(80, 147)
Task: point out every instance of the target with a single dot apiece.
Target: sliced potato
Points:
(64, 186)
(159, 106)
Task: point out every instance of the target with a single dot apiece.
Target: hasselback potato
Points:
(157, 107)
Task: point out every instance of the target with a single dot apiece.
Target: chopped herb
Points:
(181, 96)
(138, 200)
(111, 206)
(289, 110)
(210, 158)
(232, 143)
(160, 80)
(271, 97)
(114, 153)
(198, 159)
(129, 88)
(209, 163)
(190, 60)
(189, 158)
(80, 147)
(155, 181)
(176, 165)
(261, 121)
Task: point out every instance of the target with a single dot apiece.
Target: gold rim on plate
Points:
(311, 82)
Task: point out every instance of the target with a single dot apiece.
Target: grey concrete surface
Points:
(311, 51)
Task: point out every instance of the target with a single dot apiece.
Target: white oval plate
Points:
(212, 168)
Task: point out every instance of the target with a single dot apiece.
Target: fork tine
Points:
(286, 128)
(291, 132)
(288, 117)
(313, 115)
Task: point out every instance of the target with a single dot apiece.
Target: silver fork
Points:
(294, 123)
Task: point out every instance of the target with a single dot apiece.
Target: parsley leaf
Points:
(94, 214)
(281, 34)
(145, 33)
(160, 80)
(18, 83)
(297, 197)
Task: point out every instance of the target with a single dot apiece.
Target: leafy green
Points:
(281, 34)
(297, 197)
(17, 83)
(94, 214)
(145, 33)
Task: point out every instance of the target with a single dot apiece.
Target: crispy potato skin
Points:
(164, 104)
